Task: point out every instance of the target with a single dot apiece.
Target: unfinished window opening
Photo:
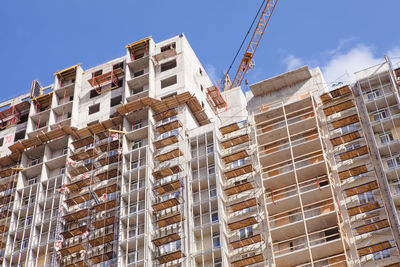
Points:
(169, 81)
(168, 47)
(97, 73)
(116, 101)
(118, 65)
(137, 90)
(168, 65)
(94, 108)
(93, 93)
(138, 73)
(19, 136)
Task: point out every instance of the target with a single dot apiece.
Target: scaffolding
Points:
(360, 200)
(242, 188)
(168, 204)
(92, 200)
(112, 78)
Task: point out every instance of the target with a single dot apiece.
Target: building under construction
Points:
(142, 161)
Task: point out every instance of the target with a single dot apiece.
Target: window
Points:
(133, 208)
(137, 125)
(211, 169)
(137, 144)
(134, 164)
(118, 65)
(348, 128)
(168, 65)
(94, 108)
(93, 93)
(170, 133)
(1, 141)
(19, 135)
(65, 150)
(213, 191)
(168, 82)
(137, 90)
(200, 71)
(393, 162)
(246, 232)
(116, 101)
(239, 162)
(33, 180)
(201, 88)
(397, 188)
(381, 254)
(210, 148)
(169, 119)
(35, 161)
(168, 47)
(386, 137)
(62, 170)
(138, 73)
(97, 73)
(218, 262)
(214, 216)
(132, 256)
(216, 242)
(380, 114)
(352, 146)
(373, 94)
(366, 197)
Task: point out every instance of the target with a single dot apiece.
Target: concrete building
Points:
(141, 161)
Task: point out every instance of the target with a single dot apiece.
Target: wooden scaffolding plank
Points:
(235, 156)
(177, 217)
(374, 248)
(173, 139)
(353, 172)
(165, 204)
(247, 241)
(166, 239)
(355, 190)
(235, 141)
(238, 188)
(239, 171)
(169, 126)
(168, 187)
(242, 223)
(363, 208)
(167, 172)
(248, 261)
(370, 227)
(170, 257)
(243, 204)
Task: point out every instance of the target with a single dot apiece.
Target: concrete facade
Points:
(138, 162)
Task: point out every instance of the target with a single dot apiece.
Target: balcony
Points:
(137, 130)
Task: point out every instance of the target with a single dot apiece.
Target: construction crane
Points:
(246, 61)
(213, 92)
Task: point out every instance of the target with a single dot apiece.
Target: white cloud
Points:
(292, 62)
(342, 66)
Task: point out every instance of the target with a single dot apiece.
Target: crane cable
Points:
(247, 34)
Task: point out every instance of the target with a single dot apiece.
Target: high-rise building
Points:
(142, 161)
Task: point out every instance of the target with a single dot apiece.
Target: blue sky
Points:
(41, 37)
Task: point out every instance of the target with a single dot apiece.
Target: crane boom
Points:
(255, 40)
